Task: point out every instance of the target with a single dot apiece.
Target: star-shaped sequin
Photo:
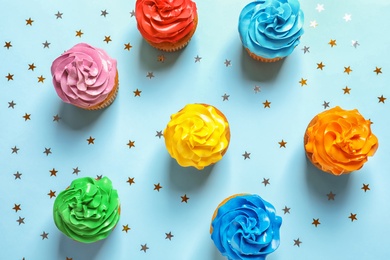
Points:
(352, 217)
(378, 70)
(161, 58)
(58, 15)
(347, 70)
(228, 63)
(16, 207)
(332, 43)
(197, 58)
(18, 175)
(104, 13)
(53, 172)
(7, 45)
(31, 66)
(51, 194)
(99, 177)
(325, 104)
(365, 187)
(316, 222)
(256, 89)
(137, 93)
(91, 140)
(44, 235)
(225, 97)
(347, 17)
(267, 104)
(159, 134)
(29, 21)
(150, 75)
(282, 144)
(305, 49)
(56, 118)
(27, 116)
(184, 198)
(246, 155)
(297, 242)
(47, 151)
(144, 248)
(157, 187)
(266, 182)
(330, 196)
(169, 235)
(46, 44)
(79, 33)
(9, 77)
(131, 144)
(128, 46)
(107, 39)
(313, 24)
(20, 220)
(15, 149)
(355, 43)
(286, 210)
(346, 90)
(125, 228)
(130, 181)
(303, 82)
(11, 104)
(132, 13)
(381, 99)
(76, 171)
(320, 8)
(320, 65)
(41, 79)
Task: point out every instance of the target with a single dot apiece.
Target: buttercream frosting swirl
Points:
(340, 141)
(271, 28)
(165, 20)
(198, 135)
(245, 226)
(84, 75)
(88, 210)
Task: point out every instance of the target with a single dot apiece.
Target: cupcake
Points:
(198, 136)
(167, 25)
(88, 210)
(270, 29)
(339, 141)
(244, 227)
(86, 77)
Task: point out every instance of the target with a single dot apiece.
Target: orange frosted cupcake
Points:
(339, 141)
(167, 25)
(198, 136)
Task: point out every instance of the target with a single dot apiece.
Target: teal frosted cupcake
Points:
(271, 29)
(245, 227)
(88, 210)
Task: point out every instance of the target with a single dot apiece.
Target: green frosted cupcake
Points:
(88, 210)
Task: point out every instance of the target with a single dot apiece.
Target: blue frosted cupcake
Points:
(271, 29)
(244, 226)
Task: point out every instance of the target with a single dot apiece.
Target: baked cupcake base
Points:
(258, 58)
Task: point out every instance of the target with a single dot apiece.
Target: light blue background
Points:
(179, 80)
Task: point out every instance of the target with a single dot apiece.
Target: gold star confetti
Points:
(91, 140)
(128, 46)
(184, 198)
(52, 194)
(331, 196)
(365, 187)
(157, 187)
(347, 70)
(282, 144)
(352, 217)
(29, 21)
(303, 82)
(137, 93)
(10, 77)
(297, 242)
(168, 235)
(320, 65)
(131, 144)
(53, 172)
(161, 58)
(266, 182)
(41, 79)
(107, 39)
(316, 222)
(27, 117)
(125, 228)
(346, 90)
(130, 181)
(16, 207)
(378, 70)
(286, 210)
(144, 248)
(332, 43)
(31, 66)
(79, 33)
(381, 99)
(246, 155)
(267, 104)
(44, 235)
(7, 45)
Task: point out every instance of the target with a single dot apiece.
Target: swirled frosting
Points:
(165, 20)
(84, 75)
(340, 141)
(198, 135)
(271, 28)
(245, 227)
(88, 210)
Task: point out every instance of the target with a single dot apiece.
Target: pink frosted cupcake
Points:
(86, 77)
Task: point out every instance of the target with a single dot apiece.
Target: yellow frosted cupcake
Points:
(339, 141)
(198, 136)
